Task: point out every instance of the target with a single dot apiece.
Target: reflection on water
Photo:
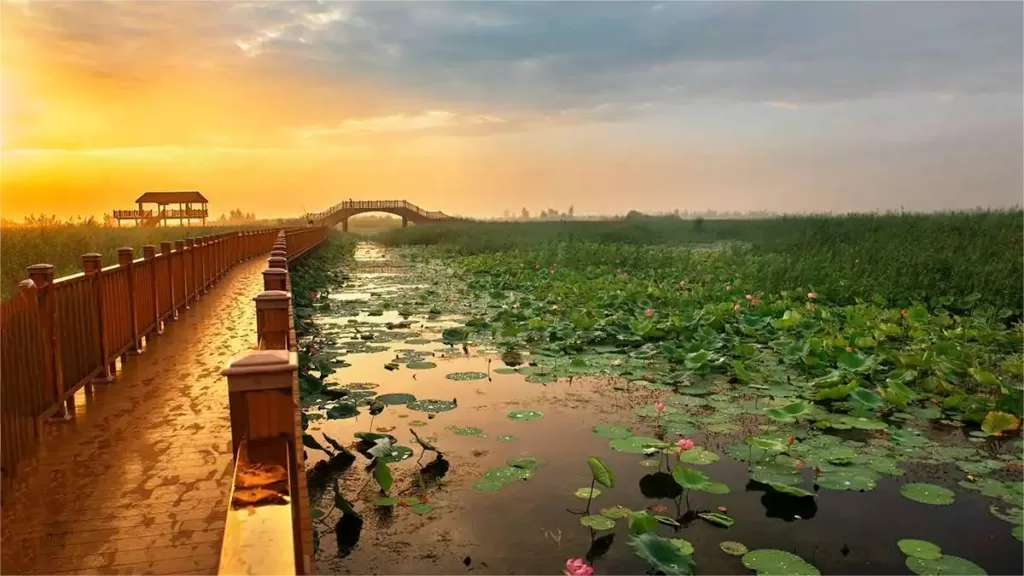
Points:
(523, 528)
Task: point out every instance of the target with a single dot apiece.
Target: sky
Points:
(473, 108)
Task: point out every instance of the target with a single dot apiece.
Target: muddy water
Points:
(532, 527)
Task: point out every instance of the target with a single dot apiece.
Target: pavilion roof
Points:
(191, 196)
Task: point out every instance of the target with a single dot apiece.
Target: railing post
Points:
(202, 250)
(149, 253)
(42, 276)
(260, 385)
(272, 319)
(277, 262)
(190, 246)
(263, 406)
(165, 250)
(124, 260)
(92, 266)
(179, 247)
(275, 279)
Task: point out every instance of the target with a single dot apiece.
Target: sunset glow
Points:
(475, 108)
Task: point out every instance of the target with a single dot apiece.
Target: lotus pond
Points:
(515, 411)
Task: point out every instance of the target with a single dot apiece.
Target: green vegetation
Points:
(956, 261)
(62, 244)
(828, 356)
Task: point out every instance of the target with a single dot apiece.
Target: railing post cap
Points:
(260, 362)
(275, 272)
(92, 256)
(40, 269)
(125, 250)
(273, 300)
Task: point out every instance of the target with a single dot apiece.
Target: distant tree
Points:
(525, 214)
(571, 212)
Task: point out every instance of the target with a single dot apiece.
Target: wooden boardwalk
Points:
(139, 481)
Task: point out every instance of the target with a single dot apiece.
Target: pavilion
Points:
(186, 211)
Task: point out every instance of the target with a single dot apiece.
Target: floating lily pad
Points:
(612, 431)
(664, 555)
(487, 486)
(717, 518)
(927, 493)
(944, 565)
(733, 548)
(920, 549)
(616, 512)
(778, 563)
(420, 365)
(791, 490)
(342, 410)
(847, 479)
(431, 405)
(524, 415)
(634, 444)
(698, 455)
(385, 501)
(418, 341)
(361, 386)
(587, 492)
(395, 399)
(417, 423)
(468, 431)
(598, 522)
(507, 474)
(422, 509)
(540, 379)
(464, 376)
(530, 463)
(506, 438)
(505, 371)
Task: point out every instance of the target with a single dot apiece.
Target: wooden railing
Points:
(57, 335)
(263, 391)
(383, 205)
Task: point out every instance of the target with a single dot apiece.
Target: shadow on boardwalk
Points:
(138, 482)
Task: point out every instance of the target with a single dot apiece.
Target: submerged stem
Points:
(590, 495)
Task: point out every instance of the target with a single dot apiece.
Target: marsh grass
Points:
(952, 260)
(63, 245)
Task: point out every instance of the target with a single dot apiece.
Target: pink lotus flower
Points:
(577, 567)
(649, 312)
(812, 295)
(729, 287)
(904, 312)
(737, 307)
(659, 406)
(554, 306)
(849, 348)
(755, 301)
(749, 297)
(684, 444)
(723, 509)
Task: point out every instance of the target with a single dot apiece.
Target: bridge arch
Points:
(408, 212)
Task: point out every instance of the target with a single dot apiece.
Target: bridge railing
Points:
(60, 334)
(271, 534)
(376, 205)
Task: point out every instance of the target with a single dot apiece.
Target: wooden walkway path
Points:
(139, 481)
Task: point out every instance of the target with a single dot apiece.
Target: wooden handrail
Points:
(260, 531)
(264, 403)
(60, 334)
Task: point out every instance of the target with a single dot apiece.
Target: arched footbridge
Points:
(341, 212)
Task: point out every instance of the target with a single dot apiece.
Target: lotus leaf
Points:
(927, 493)
(778, 563)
